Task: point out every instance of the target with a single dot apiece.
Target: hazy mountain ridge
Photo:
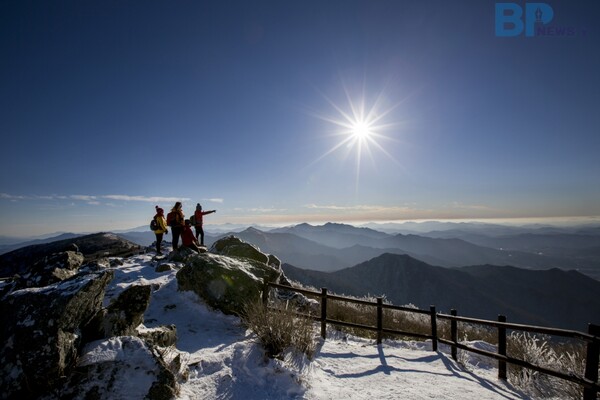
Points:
(15, 244)
(565, 299)
(336, 246)
(343, 240)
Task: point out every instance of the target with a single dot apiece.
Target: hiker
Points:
(187, 237)
(198, 222)
(175, 220)
(161, 224)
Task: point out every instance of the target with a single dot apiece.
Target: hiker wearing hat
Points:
(161, 225)
(198, 214)
(187, 237)
(175, 220)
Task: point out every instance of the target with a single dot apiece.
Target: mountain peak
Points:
(252, 229)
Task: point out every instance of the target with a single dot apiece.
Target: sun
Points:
(361, 130)
(361, 125)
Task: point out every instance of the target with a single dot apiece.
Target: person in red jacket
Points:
(198, 214)
(187, 237)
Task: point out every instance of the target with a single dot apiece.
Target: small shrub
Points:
(279, 330)
(566, 358)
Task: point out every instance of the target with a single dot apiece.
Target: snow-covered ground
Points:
(221, 360)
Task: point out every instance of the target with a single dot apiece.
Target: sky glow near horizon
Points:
(251, 108)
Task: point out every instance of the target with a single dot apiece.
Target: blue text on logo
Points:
(509, 18)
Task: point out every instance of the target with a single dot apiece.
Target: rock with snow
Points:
(274, 261)
(164, 267)
(124, 314)
(41, 332)
(161, 336)
(235, 247)
(52, 268)
(117, 367)
(92, 247)
(181, 254)
(226, 283)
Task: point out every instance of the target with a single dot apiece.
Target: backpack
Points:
(170, 218)
(193, 220)
(154, 225)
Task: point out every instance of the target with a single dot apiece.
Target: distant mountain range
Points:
(478, 281)
(332, 246)
(565, 299)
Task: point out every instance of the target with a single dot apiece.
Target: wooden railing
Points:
(589, 381)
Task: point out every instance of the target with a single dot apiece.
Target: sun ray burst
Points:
(361, 126)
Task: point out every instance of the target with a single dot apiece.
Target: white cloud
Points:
(7, 196)
(214, 200)
(259, 210)
(371, 208)
(83, 197)
(124, 197)
(481, 207)
(94, 200)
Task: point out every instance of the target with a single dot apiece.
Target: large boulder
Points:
(41, 332)
(226, 283)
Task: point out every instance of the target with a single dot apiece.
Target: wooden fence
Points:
(589, 381)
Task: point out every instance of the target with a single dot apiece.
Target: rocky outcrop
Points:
(52, 306)
(42, 330)
(92, 247)
(231, 280)
(51, 269)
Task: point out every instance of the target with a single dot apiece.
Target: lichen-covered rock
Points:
(235, 247)
(226, 283)
(41, 332)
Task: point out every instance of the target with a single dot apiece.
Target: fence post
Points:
(324, 313)
(591, 361)
(501, 348)
(453, 334)
(379, 319)
(434, 342)
(265, 293)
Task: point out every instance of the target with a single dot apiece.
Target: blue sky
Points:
(108, 108)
